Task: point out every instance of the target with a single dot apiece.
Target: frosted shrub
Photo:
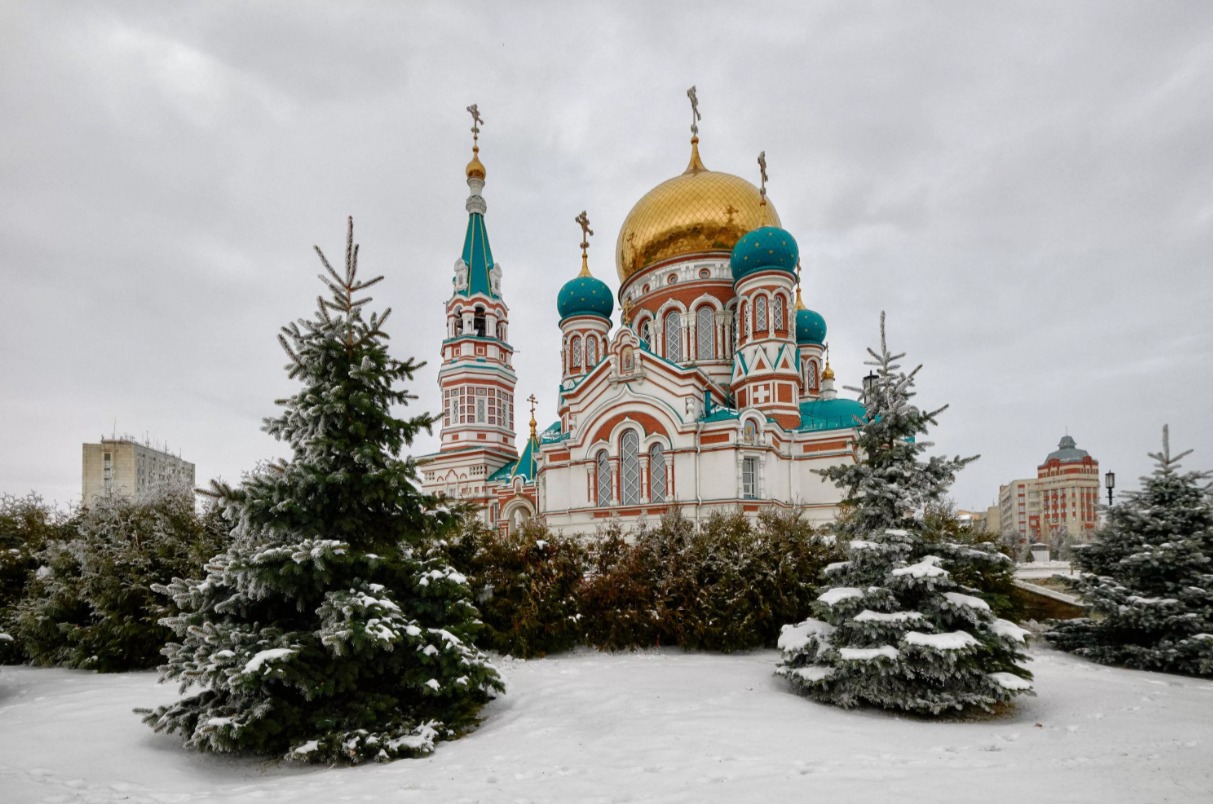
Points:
(895, 629)
(332, 630)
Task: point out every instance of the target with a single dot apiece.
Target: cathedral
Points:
(714, 391)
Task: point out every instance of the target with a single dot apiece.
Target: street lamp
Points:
(1109, 481)
(869, 386)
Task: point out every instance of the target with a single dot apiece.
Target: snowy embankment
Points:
(652, 726)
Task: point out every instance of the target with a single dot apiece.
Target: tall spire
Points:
(477, 255)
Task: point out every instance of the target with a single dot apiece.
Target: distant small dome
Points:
(764, 248)
(585, 295)
(810, 328)
(1067, 450)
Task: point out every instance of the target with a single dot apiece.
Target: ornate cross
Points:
(586, 231)
(476, 121)
(695, 116)
(533, 402)
(762, 167)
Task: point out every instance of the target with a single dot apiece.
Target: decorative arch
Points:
(602, 478)
(760, 314)
(575, 354)
(591, 352)
(778, 305)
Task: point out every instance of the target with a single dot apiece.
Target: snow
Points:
(663, 726)
(868, 654)
(967, 600)
(795, 637)
(927, 568)
(838, 593)
(953, 640)
(271, 655)
(1010, 681)
(814, 672)
(1007, 628)
(887, 617)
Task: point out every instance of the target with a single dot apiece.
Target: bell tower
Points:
(476, 375)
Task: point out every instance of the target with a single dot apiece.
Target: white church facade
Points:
(713, 391)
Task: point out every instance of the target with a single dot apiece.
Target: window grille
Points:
(749, 478)
(575, 362)
(760, 314)
(603, 466)
(673, 337)
(657, 474)
(705, 333)
(591, 352)
(629, 468)
(777, 312)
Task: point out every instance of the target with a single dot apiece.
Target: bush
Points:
(527, 586)
(91, 604)
(27, 524)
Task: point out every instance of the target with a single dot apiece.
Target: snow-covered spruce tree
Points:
(1149, 575)
(329, 631)
(896, 630)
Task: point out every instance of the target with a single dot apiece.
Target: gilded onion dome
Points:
(699, 210)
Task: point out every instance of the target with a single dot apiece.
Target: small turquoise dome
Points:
(764, 248)
(585, 295)
(810, 327)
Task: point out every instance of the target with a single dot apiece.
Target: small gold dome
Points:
(475, 169)
(700, 210)
(828, 374)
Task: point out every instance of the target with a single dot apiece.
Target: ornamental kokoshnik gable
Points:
(713, 393)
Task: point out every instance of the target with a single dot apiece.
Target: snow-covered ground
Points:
(651, 726)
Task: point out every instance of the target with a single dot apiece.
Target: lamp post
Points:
(1109, 481)
(869, 386)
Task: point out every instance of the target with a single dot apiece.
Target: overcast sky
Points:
(1026, 188)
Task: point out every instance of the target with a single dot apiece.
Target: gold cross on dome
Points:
(533, 402)
(586, 231)
(695, 116)
(476, 121)
(762, 167)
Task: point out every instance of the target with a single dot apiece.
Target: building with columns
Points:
(712, 392)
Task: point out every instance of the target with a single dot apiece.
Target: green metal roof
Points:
(478, 257)
(830, 414)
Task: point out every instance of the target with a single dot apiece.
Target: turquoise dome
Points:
(764, 248)
(810, 327)
(585, 295)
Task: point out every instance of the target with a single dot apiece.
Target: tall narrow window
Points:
(629, 468)
(603, 466)
(646, 336)
(575, 360)
(777, 312)
(811, 375)
(749, 478)
(733, 329)
(478, 321)
(657, 474)
(760, 314)
(591, 352)
(705, 333)
(673, 337)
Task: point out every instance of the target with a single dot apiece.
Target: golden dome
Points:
(475, 169)
(701, 210)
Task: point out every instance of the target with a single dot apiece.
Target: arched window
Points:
(629, 468)
(745, 319)
(810, 374)
(478, 322)
(501, 330)
(777, 312)
(705, 333)
(575, 351)
(602, 464)
(591, 352)
(646, 336)
(760, 314)
(733, 330)
(458, 320)
(657, 474)
(673, 337)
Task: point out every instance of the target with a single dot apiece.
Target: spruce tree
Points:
(896, 630)
(1148, 576)
(330, 631)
